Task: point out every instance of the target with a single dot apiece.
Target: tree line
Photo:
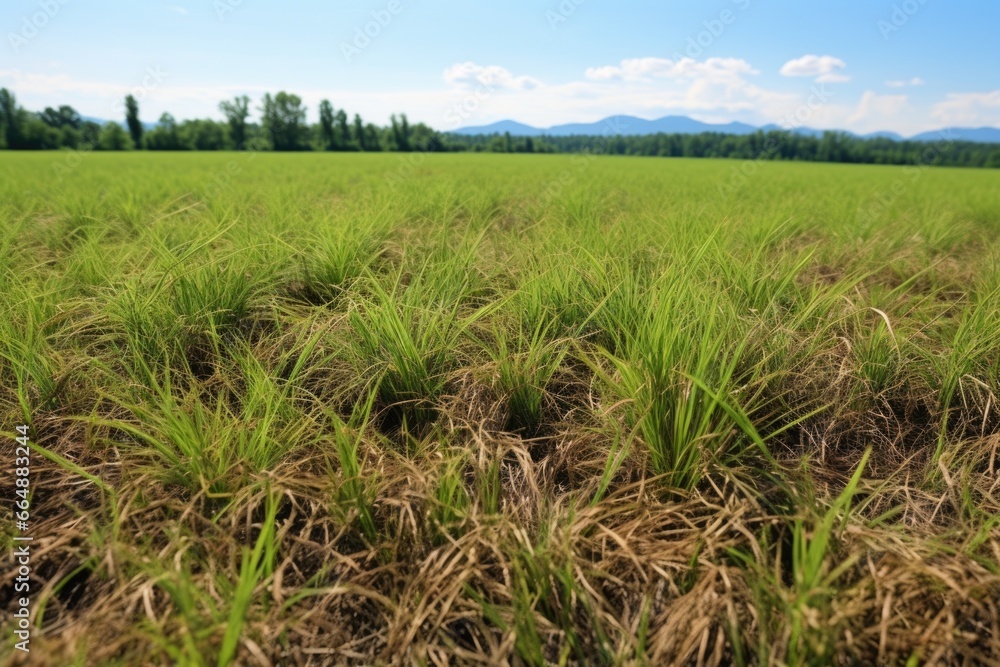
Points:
(771, 145)
(283, 127)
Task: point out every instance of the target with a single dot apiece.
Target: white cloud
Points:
(877, 112)
(178, 9)
(915, 81)
(471, 75)
(969, 109)
(645, 69)
(825, 69)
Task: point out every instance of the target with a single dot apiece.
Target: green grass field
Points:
(484, 409)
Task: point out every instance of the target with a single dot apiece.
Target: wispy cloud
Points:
(648, 69)
(471, 75)
(876, 112)
(178, 9)
(825, 69)
(902, 83)
(969, 109)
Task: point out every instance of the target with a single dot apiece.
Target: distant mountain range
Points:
(631, 126)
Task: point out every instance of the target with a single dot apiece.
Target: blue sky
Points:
(900, 65)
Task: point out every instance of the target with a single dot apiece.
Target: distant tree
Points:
(396, 135)
(132, 120)
(164, 137)
(23, 130)
(372, 138)
(202, 135)
(284, 120)
(90, 133)
(359, 133)
(400, 132)
(11, 118)
(36, 135)
(426, 139)
(343, 131)
(404, 130)
(69, 138)
(237, 111)
(114, 138)
(64, 116)
(327, 137)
